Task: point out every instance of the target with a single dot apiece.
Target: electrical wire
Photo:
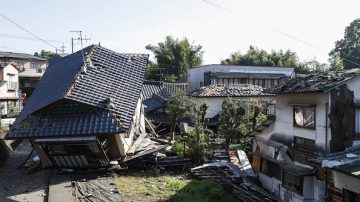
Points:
(27, 31)
(275, 30)
(28, 38)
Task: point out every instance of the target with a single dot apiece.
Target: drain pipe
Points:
(326, 150)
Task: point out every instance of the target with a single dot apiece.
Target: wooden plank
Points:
(152, 131)
(146, 153)
(136, 144)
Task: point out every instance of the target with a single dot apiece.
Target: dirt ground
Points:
(16, 184)
(142, 187)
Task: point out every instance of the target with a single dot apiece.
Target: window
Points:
(11, 82)
(304, 116)
(350, 196)
(35, 66)
(292, 181)
(201, 84)
(271, 169)
(304, 143)
(272, 82)
(20, 65)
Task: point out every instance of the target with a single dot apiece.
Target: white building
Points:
(215, 95)
(9, 76)
(315, 115)
(31, 68)
(234, 74)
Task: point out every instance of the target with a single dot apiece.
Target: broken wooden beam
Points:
(136, 144)
(149, 126)
(150, 151)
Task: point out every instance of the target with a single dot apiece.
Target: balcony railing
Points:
(11, 85)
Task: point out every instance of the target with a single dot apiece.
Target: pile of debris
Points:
(238, 176)
(217, 90)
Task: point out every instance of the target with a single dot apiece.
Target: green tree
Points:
(45, 54)
(258, 57)
(177, 107)
(336, 63)
(348, 48)
(238, 119)
(312, 66)
(173, 58)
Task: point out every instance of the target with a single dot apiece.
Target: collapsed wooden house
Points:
(86, 109)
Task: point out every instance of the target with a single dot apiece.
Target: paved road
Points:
(16, 184)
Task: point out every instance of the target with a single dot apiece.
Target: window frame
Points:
(289, 187)
(37, 64)
(304, 106)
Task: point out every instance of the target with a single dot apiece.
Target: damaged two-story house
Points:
(315, 116)
(86, 109)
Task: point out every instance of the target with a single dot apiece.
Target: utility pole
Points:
(80, 38)
(62, 48)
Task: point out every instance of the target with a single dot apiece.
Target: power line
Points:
(4, 47)
(27, 31)
(28, 38)
(274, 29)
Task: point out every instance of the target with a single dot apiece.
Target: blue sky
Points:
(128, 26)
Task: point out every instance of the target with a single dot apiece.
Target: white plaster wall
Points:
(284, 118)
(4, 93)
(348, 182)
(196, 75)
(354, 85)
(215, 103)
(138, 120)
(319, 190)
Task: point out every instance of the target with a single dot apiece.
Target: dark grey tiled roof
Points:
(239, 90)
(154, 87)
(314, 82)
(176, 88)
(20, 56)
(153, 103)
(111, 82)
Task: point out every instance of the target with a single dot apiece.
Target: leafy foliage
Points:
(348, 48)
(258, 57)
(238, 119)
(177, 107)
(45, 54)
(173, 59)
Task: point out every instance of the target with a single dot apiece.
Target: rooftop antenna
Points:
(80, 38)
(62, 48)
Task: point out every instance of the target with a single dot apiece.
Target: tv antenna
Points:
(80, 38)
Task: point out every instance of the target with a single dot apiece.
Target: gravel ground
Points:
(16, 184)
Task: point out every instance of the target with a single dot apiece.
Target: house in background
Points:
(9, 96)
(315, 115)
(215, 95)
(155, 95)
(86, 110)
(31, 68)
(344, 172)
(214, 74)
